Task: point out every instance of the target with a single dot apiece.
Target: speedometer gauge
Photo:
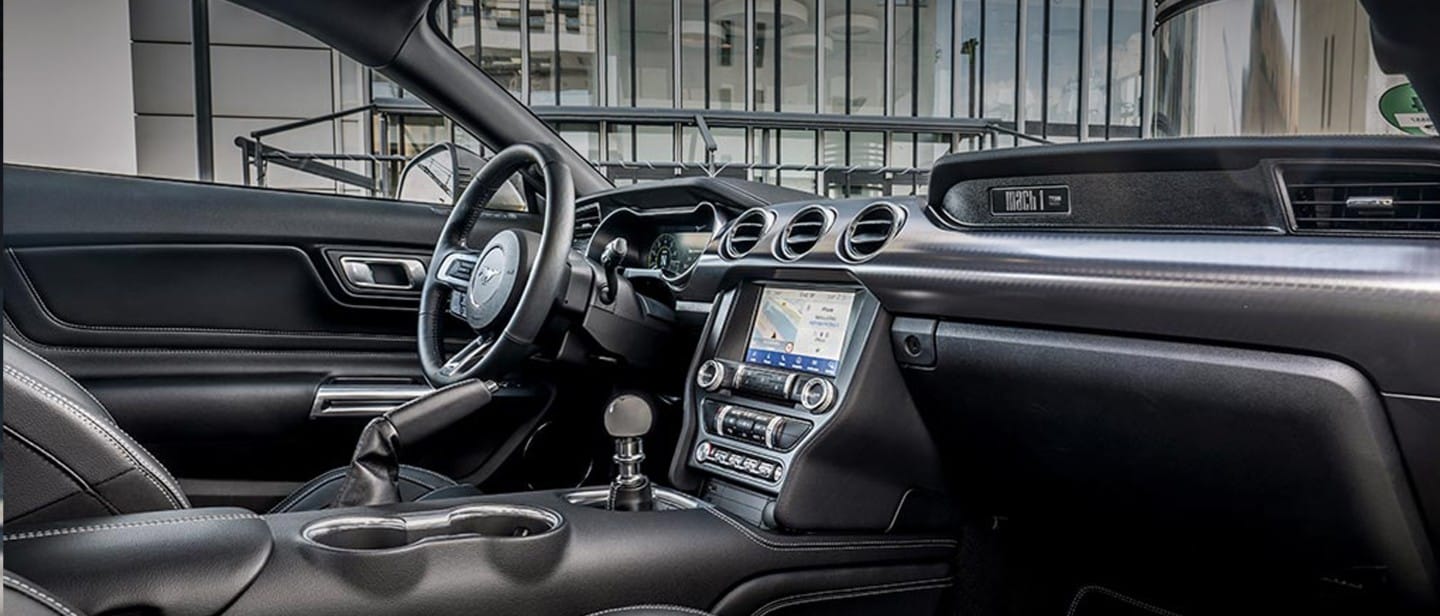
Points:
(662, 253)
(675, 253)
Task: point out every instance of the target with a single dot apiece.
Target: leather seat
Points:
(66, 458)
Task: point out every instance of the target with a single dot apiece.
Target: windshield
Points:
(859, 97)
(1277, 67)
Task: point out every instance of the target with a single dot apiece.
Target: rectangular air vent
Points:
(1374, 198)
(587, 219)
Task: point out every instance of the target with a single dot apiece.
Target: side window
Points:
(154, 88)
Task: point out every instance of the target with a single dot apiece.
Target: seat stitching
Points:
(95, 426)
(851, 593)
(1132, 602)
(39, 595)
(652, 606)
(830, 545)
(164, 474)
(69, 473)
(156, 350)
(91, 528)
(63, 373)
(233, 331)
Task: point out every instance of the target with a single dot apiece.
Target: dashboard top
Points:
(1227, 266)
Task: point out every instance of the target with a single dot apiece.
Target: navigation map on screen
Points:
(800, 329)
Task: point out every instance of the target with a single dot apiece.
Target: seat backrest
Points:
(65, 457)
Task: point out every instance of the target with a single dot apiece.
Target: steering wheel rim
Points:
(511, 257)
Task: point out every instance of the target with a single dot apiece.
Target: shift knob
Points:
(628, 416)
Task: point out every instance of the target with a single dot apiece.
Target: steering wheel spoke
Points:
(468, 356)
(455, 269)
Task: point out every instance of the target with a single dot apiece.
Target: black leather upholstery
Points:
(191, 562)
(66, 457)
(25, 598)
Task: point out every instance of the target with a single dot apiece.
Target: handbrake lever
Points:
(374, 473)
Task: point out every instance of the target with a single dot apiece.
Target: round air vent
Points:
(803, 232)
(871, 230)
(745, 233)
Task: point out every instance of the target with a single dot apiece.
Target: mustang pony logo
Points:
(487, 274)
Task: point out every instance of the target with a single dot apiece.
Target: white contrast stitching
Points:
(219, 331)
(164, 475)
(76, 530)
(96, 427)
(84, 350)
(39, 595)
(652, 606)
(52, 366)
(830, 545)
(850, 593)
(1132, 602)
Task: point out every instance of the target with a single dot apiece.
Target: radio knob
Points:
(711, 375)
(817, 394)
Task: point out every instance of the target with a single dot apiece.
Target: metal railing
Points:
(257, 156)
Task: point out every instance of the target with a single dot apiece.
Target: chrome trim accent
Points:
(467, 357)
(846, 252)
(770, 429)
(827, 395)
(450, 259)
(364, 399)
(779, 248)
(666, 499)
(720, 418)
(696, 307)
(428, 520)
(727, 251)
(790, 383)
(629, 454)
(1370, 202)
(711, 375)
(358, 272)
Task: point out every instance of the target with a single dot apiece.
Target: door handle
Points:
(384, 273)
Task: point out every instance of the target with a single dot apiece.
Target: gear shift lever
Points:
(374, 472)
(628, 418)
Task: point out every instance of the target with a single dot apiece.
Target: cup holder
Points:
(398, 531)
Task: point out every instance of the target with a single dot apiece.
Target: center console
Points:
(797, 415)
(781, 366)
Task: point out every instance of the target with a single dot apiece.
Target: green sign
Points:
(1401, 107)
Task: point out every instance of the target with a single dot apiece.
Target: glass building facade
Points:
(1051, 69)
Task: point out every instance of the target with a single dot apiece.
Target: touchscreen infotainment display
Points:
(800, 329)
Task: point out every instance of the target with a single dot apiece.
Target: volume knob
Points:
(711, 375)
(817, 394)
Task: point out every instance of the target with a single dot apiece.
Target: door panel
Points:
(205, 317)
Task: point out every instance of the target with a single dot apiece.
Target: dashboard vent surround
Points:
(1363, 198)
(587, 219)
(806, 228)
(745, 233)
(871, 230)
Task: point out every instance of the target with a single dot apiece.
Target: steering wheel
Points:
(505, 289)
